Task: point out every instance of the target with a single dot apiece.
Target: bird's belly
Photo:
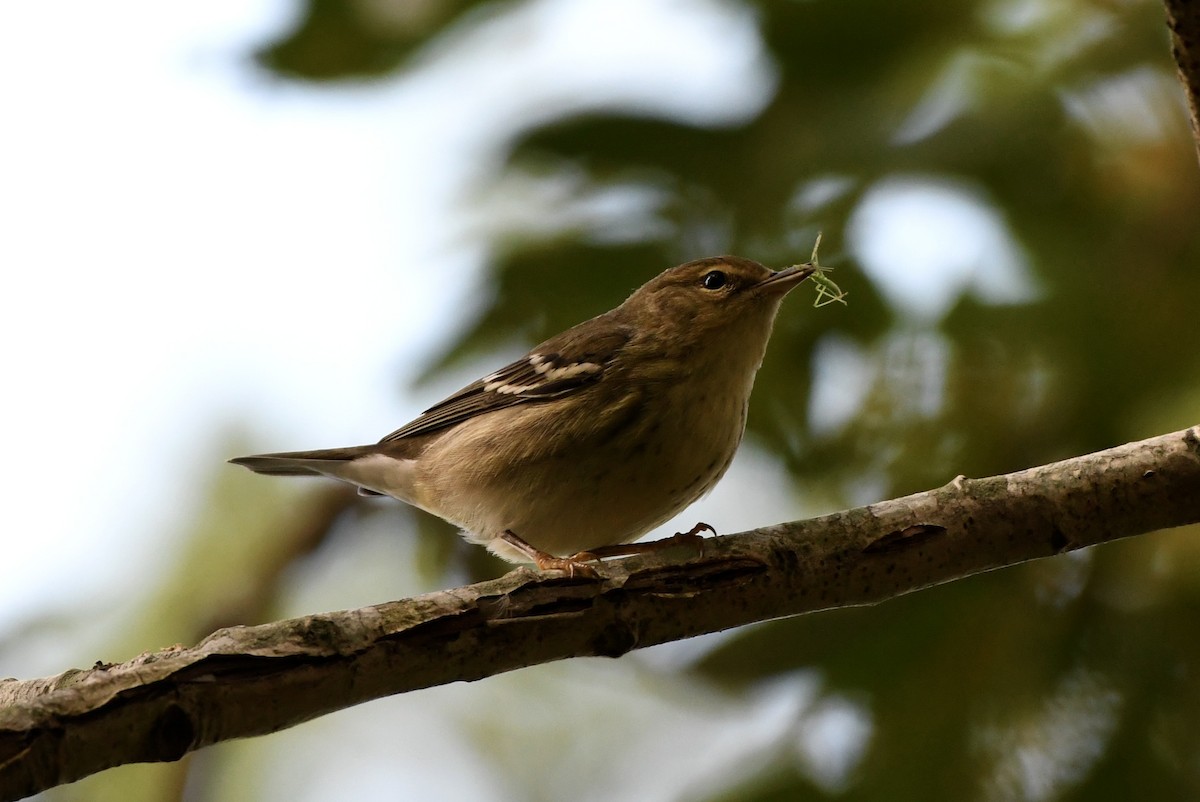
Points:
(612, 491)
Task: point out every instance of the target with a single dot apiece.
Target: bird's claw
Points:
(575, 565)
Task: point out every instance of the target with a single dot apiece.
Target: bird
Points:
(593, 438)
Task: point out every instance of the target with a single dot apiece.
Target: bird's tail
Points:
(303, 463)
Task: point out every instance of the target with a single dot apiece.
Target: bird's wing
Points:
(563, 364)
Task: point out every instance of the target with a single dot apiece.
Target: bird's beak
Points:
(781, 281)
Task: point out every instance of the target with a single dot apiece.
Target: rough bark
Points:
(1183, 18)
(244, 681)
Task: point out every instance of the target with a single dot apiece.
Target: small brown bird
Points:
(594, 437)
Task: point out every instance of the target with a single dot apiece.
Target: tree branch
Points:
(1183, 18)
(245, 681)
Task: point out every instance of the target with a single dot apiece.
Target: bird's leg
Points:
(689, 538)
(573, 565)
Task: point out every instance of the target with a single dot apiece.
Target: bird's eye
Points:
(714, 280)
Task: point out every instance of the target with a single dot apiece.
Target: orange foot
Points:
(575, 565)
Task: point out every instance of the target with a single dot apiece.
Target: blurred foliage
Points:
(338, 40)
(1074, 679)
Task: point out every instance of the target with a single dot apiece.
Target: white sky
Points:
(150, 227)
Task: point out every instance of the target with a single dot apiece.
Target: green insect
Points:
(827, 290)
